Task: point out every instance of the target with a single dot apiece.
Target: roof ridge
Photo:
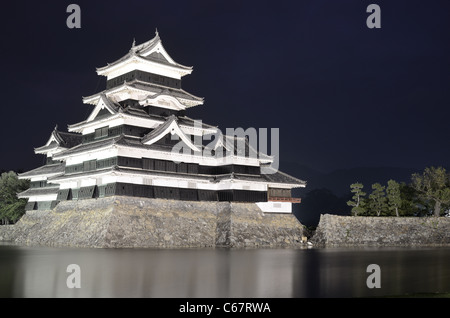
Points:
(140, 51)
(145, 44)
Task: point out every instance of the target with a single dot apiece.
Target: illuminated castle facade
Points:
(138, 142)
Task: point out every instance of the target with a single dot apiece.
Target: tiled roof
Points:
(129, 110)
(158, 130)
(241, 147)
(149, 87)
(281, 177)
(44, 170)
(277, 177)
(176, 92)
(132, 171)
(70, 139)
(62, 139)
(38, 191)
(141, 51)
(138, 111)
(187, 121)
(88, 146)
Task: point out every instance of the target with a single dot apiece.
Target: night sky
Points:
(342, 95)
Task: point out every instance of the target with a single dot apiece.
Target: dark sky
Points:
(342, 95)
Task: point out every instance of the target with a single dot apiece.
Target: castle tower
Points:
(138, 142)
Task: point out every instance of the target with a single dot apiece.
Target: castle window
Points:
(89, 165)
(101, 132)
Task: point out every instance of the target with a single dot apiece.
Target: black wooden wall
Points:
(148, 191)
(145, 77)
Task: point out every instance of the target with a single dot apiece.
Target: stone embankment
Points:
(130, 222)
(335, 230)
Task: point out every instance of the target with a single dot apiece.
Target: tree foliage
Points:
(358, 203)
(427, 194)
(411, 203)
(377, 199)
(434, 185)
(11, 207)
(394, 200)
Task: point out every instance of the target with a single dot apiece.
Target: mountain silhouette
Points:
(328, 192)
(339, 181)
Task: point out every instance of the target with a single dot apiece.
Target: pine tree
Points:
(433, 184)
(358, 203)
(377, 199)
(11, 208)
(393, 196)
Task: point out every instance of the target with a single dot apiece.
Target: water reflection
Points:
(41, 272)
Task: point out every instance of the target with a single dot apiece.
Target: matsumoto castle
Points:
(126, 146)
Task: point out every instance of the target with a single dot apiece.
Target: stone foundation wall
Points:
(335, 230)
(138, 222)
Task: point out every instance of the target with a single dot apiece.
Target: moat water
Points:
(240, 273)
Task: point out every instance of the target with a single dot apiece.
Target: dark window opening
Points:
(89, 165)
(101, 132)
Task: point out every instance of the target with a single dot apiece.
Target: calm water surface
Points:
(41, 272)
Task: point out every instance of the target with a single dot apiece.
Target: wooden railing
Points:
(285, 199)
